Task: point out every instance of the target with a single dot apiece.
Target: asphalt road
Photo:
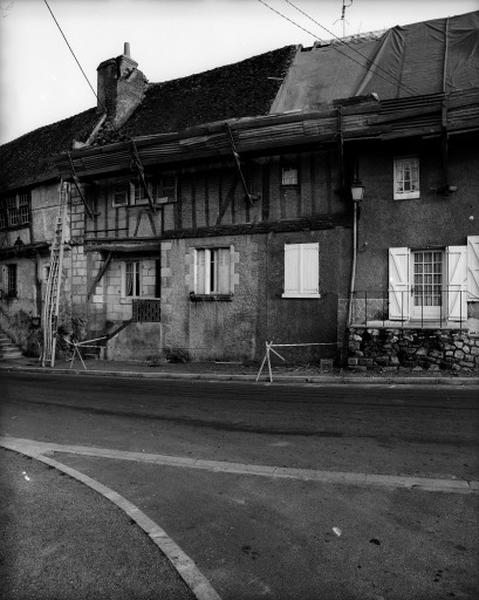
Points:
(255, 537)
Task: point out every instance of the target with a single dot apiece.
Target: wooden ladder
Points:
(51, 300)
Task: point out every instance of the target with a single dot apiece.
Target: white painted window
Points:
(473, 267)
(213, 271)
(301, 270)
(406, 178)
(428, 284)
(289, 175)
(162, 189)
(131, 278)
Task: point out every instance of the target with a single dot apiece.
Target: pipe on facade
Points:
(352, 285)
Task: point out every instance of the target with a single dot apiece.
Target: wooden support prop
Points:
(76, 181)
(99, 275)
(250, 198)
(270, 348)
(141, 172)
(78, 345)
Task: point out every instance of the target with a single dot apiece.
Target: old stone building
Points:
(214, 212)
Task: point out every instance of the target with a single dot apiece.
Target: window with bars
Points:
(406, 178)
(12, 281)
(213, 271)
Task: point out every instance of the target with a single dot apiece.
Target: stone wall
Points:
(417, 348)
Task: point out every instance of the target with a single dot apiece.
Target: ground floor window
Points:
(301, 270)
(213, 271)
(131, 279)
(12, 281)
(433, 284)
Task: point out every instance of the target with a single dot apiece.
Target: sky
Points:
(40, 82)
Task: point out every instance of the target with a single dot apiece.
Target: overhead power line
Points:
(342, 41)
(71, 50)
(363, 66)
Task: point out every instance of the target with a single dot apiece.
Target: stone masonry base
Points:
(433, 350)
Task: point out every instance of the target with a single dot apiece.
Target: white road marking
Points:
(426, 484)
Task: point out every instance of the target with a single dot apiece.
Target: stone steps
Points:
(8, 350)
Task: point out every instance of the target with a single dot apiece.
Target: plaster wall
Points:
(430, 221)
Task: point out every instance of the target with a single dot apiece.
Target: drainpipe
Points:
(357, 194)
(352, 285)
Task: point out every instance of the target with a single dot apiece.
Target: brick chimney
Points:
(121, 87)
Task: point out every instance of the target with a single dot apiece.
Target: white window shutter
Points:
(123, 279)
(457, 282)
(473, 267)
(310, 269)
(399, 285)
(224, 278)
(292, 272)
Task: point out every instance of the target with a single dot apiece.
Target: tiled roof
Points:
(246, 88)
(31, 157)
(243, 89)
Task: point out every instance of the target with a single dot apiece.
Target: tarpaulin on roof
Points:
(418, 59)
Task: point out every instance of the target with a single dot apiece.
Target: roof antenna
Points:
(343, 16)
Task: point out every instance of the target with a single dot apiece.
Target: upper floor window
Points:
(15, 210)
(289, 175)
(162, 190)
(406, 178)
(119, 198)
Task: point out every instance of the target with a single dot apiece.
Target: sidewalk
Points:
(232, 371)
(62, 540)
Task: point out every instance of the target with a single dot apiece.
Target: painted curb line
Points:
(280, 379)
(182, 563)
(410, 482)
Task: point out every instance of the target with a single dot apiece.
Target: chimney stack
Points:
(121, 87)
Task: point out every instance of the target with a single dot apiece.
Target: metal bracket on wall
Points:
(136, 162)
(76, 181)
(250, 198)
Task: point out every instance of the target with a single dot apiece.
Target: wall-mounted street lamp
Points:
(357, 190)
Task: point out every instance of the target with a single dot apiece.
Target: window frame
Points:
(156, 186)
(301, 291)
(137, 279)
(289, 167)
(16, 210)
(398, 161)
(12, 281)
(120, 192)
(211, 267)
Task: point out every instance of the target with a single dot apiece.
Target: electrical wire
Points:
(71, 49)
(316, 38)
(378, 67)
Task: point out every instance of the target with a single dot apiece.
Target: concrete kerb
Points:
(182, 563)
(235, 377)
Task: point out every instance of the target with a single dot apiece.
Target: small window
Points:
(138, 193)
(406, 178)
(164, 189)
(301, 270)
(213, 271)
(12, 212)
(132, 279)
(289, 175)
(12, 281)
(119, 198)
(24, 208)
